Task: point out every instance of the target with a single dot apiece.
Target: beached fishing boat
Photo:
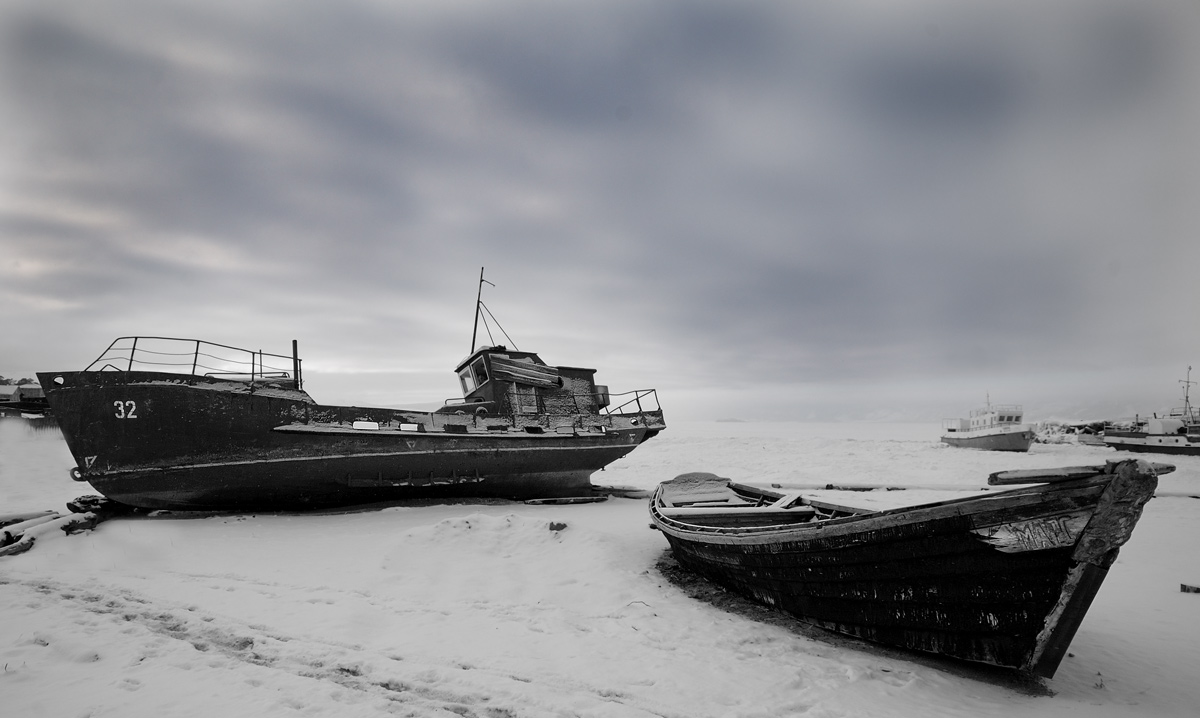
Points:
(994, 427)
(1176, 432)
(167, 423)
(1002, 577)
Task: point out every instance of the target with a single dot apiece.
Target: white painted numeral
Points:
(126, 409)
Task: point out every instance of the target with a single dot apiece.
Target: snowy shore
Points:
(497, 610)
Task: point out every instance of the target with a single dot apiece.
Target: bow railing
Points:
(196, 357)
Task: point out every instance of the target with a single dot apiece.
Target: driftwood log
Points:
(18, 532)
(11, 519)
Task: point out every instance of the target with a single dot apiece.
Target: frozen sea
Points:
(482, 610)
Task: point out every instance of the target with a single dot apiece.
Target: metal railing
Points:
(637, 397)
(639, 401)
(196, 357)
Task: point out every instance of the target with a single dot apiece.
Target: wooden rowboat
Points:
(1003, 578)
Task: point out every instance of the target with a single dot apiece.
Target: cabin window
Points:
(480, 370)
(468, 381)
(473, 376)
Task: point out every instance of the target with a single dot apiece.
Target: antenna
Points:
(478, 304)
(1187, 385)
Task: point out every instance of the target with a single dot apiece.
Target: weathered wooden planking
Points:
(747, 517)
(879, 527)
(840, 508)
(525, 372)
(1065, 473)
(984, 616)
(1036, 534)
(755, 492)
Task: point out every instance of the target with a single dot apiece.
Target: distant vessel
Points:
(1089, 435)
(25, 399)
(1176, 433)
(166, 423)
(995, 427)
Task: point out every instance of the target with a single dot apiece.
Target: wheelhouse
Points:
(993, 416)
(997, 415)
(506, 382)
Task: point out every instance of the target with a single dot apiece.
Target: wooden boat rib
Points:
(1003, 578)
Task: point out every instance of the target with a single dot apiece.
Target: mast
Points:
(1187, 404)
(478, 305)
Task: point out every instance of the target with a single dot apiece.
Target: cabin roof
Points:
(501, 350)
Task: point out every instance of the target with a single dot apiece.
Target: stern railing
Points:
(639, 401)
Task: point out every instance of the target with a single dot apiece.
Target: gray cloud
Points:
(782, 199)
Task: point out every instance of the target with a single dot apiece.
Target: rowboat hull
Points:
(1005, 578)
(162, 441)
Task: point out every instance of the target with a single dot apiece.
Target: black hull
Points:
(1192, 450)
(1004, 580)
(1178, 446)
(318, 482)
(162, 441)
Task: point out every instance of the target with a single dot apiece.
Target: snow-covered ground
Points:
(499, 610)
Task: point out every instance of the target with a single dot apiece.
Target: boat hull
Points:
(1140, 442)
(1005, 579)
(162, 441)
(1007, 441)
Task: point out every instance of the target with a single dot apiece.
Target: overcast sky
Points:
(814, 210)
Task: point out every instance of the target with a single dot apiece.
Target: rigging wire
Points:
(497, 321)
(480, 315)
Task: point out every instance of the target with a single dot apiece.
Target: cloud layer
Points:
(763, 208)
